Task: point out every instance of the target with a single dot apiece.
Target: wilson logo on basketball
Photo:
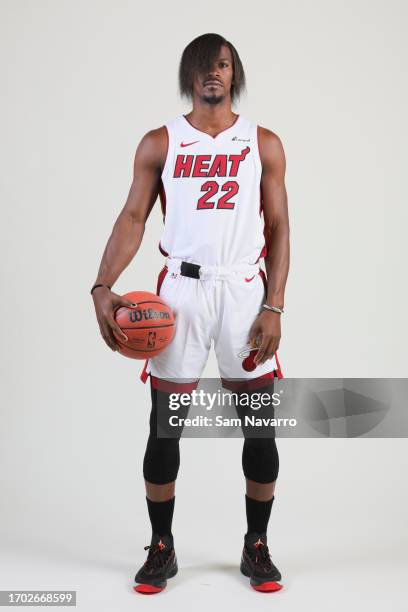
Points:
(147, 314)
(149, 326)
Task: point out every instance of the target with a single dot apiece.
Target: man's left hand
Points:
(267, 327)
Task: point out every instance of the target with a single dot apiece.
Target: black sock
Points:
(258, 513)
(161, 515)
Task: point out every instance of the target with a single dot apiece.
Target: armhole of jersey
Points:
(258, 163)
(169, 150)
(257, 149)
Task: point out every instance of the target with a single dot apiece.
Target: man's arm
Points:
(128, 230)
(275, 207)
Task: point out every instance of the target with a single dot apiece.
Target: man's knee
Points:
(260, 459)
(161, 460)
(162, 456)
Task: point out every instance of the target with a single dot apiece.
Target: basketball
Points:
(150, 327)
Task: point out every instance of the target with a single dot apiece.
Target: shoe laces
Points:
(156, 557)
(262, 555)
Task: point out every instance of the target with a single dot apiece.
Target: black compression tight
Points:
(260, 458)
(162, 456)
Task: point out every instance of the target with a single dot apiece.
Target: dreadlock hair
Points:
(200, 55)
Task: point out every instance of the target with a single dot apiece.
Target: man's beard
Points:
(212, 99)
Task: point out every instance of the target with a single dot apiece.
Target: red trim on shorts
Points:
(144, 374)
(278, 370)
(160, 278)
(250, 383)
(162, 274)
(262, 253)
(170, 386)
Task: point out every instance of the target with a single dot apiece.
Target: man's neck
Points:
(211, 118)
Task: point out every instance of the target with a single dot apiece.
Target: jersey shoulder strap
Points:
(173, 128)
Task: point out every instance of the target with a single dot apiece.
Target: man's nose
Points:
(213, 73)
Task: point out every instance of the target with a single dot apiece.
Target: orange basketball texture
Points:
(150, 327)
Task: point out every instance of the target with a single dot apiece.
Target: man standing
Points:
(220, 178)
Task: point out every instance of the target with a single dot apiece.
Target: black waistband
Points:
(190, 269)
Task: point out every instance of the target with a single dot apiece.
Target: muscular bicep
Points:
(274, 196)
(148, 163)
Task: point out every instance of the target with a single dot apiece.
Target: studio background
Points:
(82, 82)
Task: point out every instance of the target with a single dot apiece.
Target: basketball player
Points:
(220, 178)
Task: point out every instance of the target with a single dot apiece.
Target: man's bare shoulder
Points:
(155, 138)
(268, 137)
(153, 146)
(270, 145)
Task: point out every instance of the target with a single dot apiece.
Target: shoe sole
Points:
(154, 587)
(268, 586)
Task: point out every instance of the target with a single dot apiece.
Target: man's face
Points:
(214, 86)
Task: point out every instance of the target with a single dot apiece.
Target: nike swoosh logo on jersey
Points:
(248, 280)
(187, 144)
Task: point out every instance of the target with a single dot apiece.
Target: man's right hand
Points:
(106, 304)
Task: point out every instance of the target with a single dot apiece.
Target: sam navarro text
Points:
(219, 421)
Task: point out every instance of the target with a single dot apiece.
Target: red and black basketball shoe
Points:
(256, 563)
(161, 563)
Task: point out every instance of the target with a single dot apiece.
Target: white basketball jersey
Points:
(211, 195)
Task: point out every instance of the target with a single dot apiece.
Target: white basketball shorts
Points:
(221, 306)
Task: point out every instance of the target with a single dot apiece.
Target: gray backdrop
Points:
(82, 82)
